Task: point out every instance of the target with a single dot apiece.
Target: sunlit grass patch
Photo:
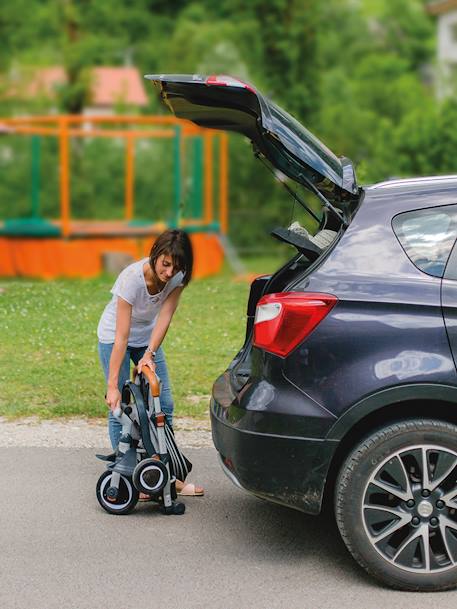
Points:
(48, 358)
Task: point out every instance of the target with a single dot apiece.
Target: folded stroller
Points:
(147, 459)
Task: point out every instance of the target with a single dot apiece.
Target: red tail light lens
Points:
(284, 320)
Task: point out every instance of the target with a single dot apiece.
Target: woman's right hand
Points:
(146, 360)
(113, 398)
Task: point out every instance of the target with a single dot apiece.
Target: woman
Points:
(135, 321)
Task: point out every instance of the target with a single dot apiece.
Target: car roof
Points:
(410, 193)
(419, 183)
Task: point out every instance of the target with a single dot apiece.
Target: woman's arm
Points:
(161, 327)
(123, 320)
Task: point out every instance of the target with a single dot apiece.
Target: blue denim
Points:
(135, 354)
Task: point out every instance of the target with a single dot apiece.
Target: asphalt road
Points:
(60, 550)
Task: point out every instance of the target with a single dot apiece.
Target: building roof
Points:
(441, 7)
(44, 82)
(112, 85)
(109, 85)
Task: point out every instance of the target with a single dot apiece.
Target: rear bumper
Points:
(288, 470)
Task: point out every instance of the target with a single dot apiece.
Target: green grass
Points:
(48, 358)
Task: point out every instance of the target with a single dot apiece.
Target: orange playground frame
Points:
(64, 247)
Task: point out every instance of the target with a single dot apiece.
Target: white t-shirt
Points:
(131, 286)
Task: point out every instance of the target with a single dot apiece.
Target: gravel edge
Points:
(88, 433)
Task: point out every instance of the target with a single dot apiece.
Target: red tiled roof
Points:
(45, 82)
(442, 6)
(109, 85)
(112, 85)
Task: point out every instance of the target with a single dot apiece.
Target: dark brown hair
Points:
(176, 244)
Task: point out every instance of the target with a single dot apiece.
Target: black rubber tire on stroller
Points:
(127, 499)
(150, 476)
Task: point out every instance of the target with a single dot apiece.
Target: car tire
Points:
(396, 504)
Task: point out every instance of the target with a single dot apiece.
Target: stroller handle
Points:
(152, 380)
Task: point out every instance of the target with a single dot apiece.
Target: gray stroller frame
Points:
(147, 459)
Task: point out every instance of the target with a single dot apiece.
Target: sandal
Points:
(143, 498)
(190, 490)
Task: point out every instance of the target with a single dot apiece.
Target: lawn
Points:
(48, 360)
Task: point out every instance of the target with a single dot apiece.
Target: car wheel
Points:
(396, 504)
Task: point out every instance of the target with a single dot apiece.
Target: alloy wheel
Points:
(409, 509)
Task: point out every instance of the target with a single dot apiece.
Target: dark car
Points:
(345, 389)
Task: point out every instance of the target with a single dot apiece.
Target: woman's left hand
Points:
(148, 361)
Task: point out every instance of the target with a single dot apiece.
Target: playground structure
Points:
(34, 246)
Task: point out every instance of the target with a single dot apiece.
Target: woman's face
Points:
(164, 268)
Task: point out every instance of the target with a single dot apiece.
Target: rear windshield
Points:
(427, 236)
(283, 119)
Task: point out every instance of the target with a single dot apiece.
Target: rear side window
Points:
(427, 236)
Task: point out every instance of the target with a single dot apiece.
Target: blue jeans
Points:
(135, 354)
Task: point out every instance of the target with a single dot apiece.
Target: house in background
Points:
(109, 88)
(446, 13)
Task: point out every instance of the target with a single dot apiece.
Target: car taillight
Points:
(222, 80)
(284, 320)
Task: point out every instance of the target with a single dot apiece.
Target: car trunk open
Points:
(221, 102)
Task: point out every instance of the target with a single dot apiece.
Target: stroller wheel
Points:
(150, 476)
(121, 502)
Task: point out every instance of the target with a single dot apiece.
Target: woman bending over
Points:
(135, 322)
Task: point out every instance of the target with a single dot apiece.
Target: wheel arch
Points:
(407, 402)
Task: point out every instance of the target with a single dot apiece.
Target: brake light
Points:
(284, 320)
(222, 80)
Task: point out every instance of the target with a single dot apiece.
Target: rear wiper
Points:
(299, 200)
